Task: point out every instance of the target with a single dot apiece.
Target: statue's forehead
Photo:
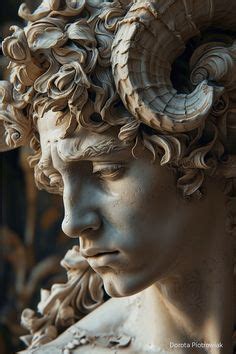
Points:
(81, 144)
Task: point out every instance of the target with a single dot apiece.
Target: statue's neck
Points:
(196, 303)
(201, 304)
(193, 302)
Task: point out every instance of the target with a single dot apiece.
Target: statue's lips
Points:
(103, 259)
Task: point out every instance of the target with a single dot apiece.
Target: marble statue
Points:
(129, 108)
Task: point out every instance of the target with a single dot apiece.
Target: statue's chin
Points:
(115, 288)
(121, 286)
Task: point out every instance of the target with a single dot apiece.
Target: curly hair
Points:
(61, 61)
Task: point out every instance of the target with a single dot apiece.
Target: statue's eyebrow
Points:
(105, 147)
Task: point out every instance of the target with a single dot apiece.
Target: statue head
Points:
(130, 110)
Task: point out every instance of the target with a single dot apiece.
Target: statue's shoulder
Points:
(101, 331)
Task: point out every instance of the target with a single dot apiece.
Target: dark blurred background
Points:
(31, 241)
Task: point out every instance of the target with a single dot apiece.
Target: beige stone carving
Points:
(65, 303)
(129, 107)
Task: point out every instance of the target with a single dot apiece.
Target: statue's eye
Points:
(110, 171)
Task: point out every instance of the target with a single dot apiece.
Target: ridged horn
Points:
(149, 39)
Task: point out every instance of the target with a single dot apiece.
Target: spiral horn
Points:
(149, 39)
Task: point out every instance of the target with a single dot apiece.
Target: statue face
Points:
(119, 206)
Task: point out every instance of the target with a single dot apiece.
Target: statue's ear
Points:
(15, 126)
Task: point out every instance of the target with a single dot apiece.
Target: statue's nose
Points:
(81, 211)
(76, 224)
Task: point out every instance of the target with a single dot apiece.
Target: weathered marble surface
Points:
(129, 107)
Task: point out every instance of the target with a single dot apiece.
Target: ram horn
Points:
(148, 40)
